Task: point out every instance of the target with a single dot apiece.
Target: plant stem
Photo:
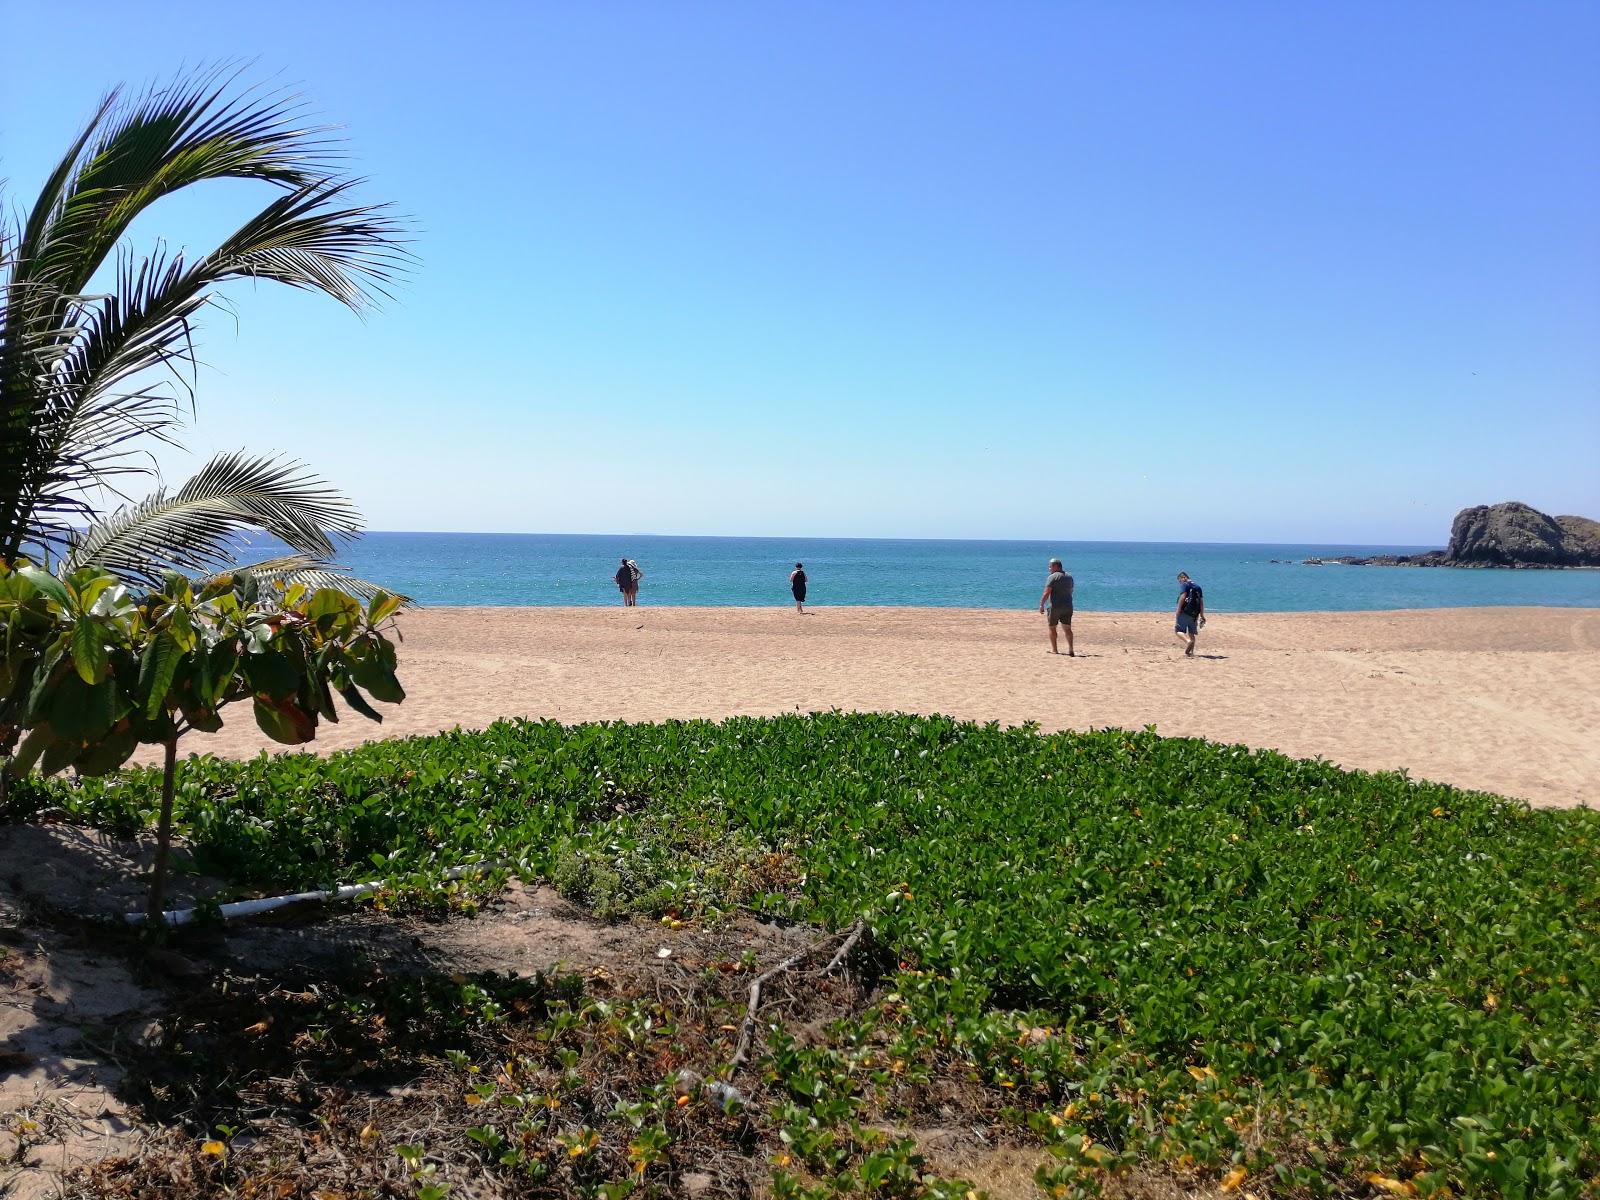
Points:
(158, 881)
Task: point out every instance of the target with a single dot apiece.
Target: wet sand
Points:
(1502, 699)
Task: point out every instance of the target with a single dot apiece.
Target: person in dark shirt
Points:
(797, 585)
(627, 577)
(1191, 613)
(1056, 603)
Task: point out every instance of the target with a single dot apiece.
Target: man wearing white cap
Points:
(1056, 603)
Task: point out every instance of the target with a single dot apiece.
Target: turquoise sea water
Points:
(576, 569)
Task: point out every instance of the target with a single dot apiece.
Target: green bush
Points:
(1398, 973)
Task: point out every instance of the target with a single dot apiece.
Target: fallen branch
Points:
(856, 930)
(747, 1028)
(251, 908)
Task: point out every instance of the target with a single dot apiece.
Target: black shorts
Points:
(1059, 616)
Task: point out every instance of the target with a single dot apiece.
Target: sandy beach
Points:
(1502, 699)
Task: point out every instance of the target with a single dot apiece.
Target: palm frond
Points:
(167, 139)
(84, 379)
(290, 569)
(196, 528)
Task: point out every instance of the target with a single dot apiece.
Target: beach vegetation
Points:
(1123, 951)
(97, 351)
(92, 670)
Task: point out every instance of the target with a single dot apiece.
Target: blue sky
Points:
(1155, 270)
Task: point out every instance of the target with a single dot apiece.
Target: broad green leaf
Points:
(382, 606)
(180, 627)
(108, 754)
(201, 718)
(284, 722)
(49, 586)
(89, 650)
(332, 610)
(271, 674)
(82, 712)
(112, 602)
(324, 697)
(47, 675)
(359, 703)
(156, 671)
(58, 756)
(216, 671)
(377, 679)
(32, 747)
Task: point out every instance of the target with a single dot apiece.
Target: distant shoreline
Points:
(531, 571)
(1211, 609)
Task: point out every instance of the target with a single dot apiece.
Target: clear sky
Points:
(1184, 271)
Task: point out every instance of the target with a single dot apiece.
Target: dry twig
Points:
(856, 930)
(747, 1028)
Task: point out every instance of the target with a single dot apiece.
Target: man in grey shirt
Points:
(1057, 603)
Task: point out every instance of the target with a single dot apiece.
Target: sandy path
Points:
(1507, 700)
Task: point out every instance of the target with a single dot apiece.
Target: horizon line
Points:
(764, 537)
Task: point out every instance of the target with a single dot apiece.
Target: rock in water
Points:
(1581, 537)
(1515, 535)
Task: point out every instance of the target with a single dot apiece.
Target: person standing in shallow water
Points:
(627, 577)
(797, 585)
(1056, 603)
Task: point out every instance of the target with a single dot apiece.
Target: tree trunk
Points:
(158, 881)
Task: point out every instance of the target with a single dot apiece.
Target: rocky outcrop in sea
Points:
(1500, 535)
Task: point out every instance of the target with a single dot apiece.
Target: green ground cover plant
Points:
(1146, 949)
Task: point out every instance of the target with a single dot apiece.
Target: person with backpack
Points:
(627, 577)
(1191, 611)
(797, 585)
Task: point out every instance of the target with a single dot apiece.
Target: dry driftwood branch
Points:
(856, 930)
(747, 1028)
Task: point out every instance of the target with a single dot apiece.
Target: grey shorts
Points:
(1059, 616)
(1187, 623)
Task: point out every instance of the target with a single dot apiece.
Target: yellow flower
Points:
(1395, 1187)
(213, 1148)
(1232, 1180)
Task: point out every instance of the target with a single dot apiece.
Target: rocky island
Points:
(1500, 535)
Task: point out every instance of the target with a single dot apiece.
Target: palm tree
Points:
(85, 376)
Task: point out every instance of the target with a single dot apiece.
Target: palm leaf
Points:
(197, 527)
(290, 569)
(84, 379)
(167, 139)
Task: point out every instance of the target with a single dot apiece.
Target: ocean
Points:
(576, 569)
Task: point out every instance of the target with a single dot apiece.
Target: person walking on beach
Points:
(1056, 603)
(627, 577)
(1191, 613)
(797, 585)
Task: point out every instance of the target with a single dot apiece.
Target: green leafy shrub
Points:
(1384, 973)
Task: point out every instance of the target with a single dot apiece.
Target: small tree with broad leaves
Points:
(93, 671)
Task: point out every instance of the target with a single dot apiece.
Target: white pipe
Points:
(250, 908)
